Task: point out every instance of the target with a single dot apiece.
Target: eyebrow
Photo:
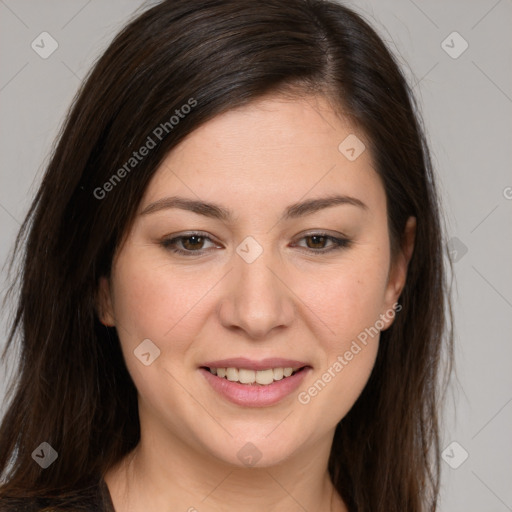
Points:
(216, 211)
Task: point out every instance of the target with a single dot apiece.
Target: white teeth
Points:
(245, 376)
(278, 373)
(232, 374)
(265, 376)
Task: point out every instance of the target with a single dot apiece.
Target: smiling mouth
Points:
(254, 377)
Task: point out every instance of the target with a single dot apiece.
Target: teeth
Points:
(265, 376)
(245, 376)
(232, 374)
(278, 373)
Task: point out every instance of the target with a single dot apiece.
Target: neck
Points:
(191, 481)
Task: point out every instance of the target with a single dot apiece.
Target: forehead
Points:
(273, 150)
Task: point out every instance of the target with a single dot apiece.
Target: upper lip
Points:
(250, 364)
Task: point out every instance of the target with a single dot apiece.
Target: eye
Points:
(191, 242)
(315, 242)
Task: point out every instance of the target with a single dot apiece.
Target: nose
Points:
(257, 299)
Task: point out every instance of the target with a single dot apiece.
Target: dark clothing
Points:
(93, 499)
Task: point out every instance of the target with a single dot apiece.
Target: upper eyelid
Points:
(318, 232)
(187, 235)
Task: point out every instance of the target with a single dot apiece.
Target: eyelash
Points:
(168, 244)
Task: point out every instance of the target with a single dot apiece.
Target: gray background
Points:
(467, 106)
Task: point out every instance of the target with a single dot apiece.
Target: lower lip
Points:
(255, 395)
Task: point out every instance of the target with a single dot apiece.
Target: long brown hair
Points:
(72, 388)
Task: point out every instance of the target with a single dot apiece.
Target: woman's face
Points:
(262, 288)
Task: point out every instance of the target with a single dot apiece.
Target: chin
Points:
(256, 449)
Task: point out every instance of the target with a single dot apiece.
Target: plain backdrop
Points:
(458, 55)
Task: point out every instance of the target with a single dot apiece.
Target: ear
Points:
(398, 271)
(104, 303)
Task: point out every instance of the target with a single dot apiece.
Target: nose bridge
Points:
(258, 299)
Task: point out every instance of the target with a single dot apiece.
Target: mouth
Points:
(254, 384)
(254, 377)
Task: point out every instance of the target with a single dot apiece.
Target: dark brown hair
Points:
(72, 388)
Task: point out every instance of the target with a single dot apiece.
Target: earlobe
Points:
(398, 274)
(104, 303)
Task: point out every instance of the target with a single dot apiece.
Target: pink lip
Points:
(263, 364)
(255, 395)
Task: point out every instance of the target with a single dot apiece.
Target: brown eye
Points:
(191, 244)
(316, 242)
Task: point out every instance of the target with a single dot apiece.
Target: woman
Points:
(233, 289)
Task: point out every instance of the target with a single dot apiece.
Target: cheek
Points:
(333, 392)
(348, 300)
(158, 303)
(155, 301)
(348, 297)
(348, 358)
